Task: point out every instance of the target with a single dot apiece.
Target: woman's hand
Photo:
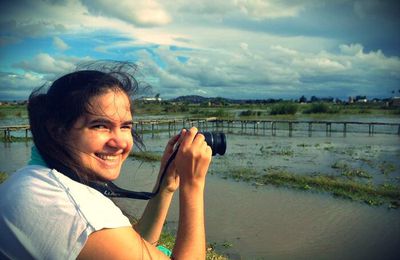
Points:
(193, 158)
(171, 179)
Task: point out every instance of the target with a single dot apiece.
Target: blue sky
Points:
(255, 49)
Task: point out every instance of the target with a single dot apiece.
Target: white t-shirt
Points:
(46, 215)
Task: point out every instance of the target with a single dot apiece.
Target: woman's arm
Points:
(192, 162)
(152, 221)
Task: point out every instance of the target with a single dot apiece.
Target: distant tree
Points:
(284, 109)
(314, 99)
(338, 100)
(303, 99)
(317, 108)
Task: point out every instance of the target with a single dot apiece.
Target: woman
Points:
(81, 129)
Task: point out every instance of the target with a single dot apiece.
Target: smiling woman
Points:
(82, 131)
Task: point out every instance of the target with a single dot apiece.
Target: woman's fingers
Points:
(193, 158)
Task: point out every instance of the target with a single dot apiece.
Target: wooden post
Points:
(273, 129)
(290, 128)
(328, 129)
(264, 127)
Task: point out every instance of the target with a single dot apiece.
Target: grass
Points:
(280, 109)
(12, 111)
(3, 176)
(349, 172)
(168, 240)
(387, 167)
(284, 109)
(146, 156)
(368, 193)
(14, 139)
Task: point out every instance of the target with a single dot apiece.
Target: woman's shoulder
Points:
(24, 180)
(47, 189)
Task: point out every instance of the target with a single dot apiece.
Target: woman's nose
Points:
(117, 140)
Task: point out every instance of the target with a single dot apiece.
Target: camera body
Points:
(217, 142)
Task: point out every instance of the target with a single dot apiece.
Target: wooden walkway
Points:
(243, 126)
(8, 129)
(310, 126)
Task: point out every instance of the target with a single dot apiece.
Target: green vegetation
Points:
(284, 109)
(317, 108)
(14, 139)
(349, 172)
(3, 176)
(146, 156)
(372, 195)
(12, 111)
(248, 113)
(226, 110)
(387, 167)
(168, 240)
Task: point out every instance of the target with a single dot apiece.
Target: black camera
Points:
(217, 142)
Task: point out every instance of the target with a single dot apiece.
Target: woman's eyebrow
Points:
(128, 122)
(108, 121)
(100, 121)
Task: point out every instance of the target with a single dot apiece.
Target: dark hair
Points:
(53, 113)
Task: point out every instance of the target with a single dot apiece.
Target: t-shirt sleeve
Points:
(51, 216)
(95, 210)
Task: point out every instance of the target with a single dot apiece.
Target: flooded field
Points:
(252, 220)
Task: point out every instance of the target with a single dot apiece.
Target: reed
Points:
(146, 156)
(371, 194)
(3, 176)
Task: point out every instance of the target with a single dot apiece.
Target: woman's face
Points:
(103, 138)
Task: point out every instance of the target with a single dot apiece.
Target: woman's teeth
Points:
(107, 157)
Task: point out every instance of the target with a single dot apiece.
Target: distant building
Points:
(394, 102)
(361, 99)
(351, 100)
(151, 99)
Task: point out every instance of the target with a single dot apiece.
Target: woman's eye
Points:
(99, 127)
(127, 127)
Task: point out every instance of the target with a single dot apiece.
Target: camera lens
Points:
(217, 142)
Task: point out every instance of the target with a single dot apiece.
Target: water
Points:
(251, 222)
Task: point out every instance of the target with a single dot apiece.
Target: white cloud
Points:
(45, 64)
(268, 9)
(352, 49)
(141, 13)
(60, 44)
(274, 71)
(18, 86)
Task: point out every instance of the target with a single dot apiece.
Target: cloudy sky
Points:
(227, 48)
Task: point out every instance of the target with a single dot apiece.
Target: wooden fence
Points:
(245, 126)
